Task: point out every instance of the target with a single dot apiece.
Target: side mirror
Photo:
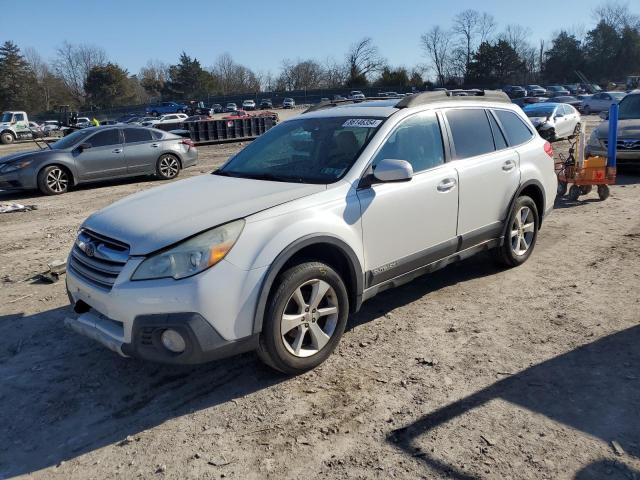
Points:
(604, 115)
(84, 146)
(392, 170)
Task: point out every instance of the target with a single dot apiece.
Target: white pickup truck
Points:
(14, 125)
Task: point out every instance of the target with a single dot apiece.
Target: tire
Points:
(168, 166)
(7, 138)
(562, 189)
(586, 110)
(54, 180)
(574, 193)
(521, 233)
(586, 189)
(309, 339)
(603, 192)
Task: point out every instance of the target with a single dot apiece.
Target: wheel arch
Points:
(326, 248)
(531, 188)
(62, 165)
(173, 154)
(8, 130)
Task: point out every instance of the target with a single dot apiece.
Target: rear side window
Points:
(132, 135)
(157, 134)
(417, 140)
(471, 132)
(106, 137)
(514, 128)
(498, 137)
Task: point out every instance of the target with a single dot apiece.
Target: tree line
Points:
(472, 51)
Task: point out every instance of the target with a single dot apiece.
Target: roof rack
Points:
(430, 97)
(335, 103)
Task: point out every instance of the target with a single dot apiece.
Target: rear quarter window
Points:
(516, 131)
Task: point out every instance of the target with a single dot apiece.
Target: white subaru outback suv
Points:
(275, 249)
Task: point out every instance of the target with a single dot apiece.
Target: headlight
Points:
(191, 256)
(12, 167)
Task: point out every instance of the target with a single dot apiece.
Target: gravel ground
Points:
(470, 372)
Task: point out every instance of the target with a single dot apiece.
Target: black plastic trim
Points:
(290, 251)
(522, 186)
(204, 343)
(482, 234)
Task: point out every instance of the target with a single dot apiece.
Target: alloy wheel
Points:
(309, 319)
(169, 166)
(523, 229)
(57, 180)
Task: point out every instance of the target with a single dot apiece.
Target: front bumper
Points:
(213, 311)
(22, 179)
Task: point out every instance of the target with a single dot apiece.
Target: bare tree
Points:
(435, 44)
(153, 76)
(616, 15)
(363, 59)
(73, 63)
(301, 74)
(233, 77)
(465, 24)
(334, 74)
(486, 27)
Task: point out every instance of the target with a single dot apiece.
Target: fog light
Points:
(173, 341)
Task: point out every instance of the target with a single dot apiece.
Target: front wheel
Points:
(6, 138)
(53, 180)
(305, 318)
(521, 233)
(603, 192)
(168, 167)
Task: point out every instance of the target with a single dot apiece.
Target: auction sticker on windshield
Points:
(362, 122)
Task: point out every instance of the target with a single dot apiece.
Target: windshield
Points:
(538, 111)
(629, 108)
(311, 150)
(70, 140)
(6, 117)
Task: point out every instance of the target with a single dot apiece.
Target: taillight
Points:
(188, 143)
(548, 149)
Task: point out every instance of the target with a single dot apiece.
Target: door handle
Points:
(508, 165)
(116, 150)
(446, 184)
(154, 145)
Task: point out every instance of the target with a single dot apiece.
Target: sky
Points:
(261, 34)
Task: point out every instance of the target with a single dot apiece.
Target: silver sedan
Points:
(98, 153)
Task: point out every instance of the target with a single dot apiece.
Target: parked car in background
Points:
(83, 122)
(554, 121)
(288, 103)
(97, 153)
(571, 100)
(536, 91)
(140, 120)
(108, 122)
(601, 101)
(523, 101)
(127, 117)
(556, 91)
(236, 114)
(173, 117)
(217, 108)
(197, 118)
(37, 131)
(278, 247)
(628, 145)
(573, 88)
(265, 104)
(165, 107)
(514, 91)
(231, 107)
(249, 105)
(50, 126)
(357, 96)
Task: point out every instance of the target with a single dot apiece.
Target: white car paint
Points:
(381, 224)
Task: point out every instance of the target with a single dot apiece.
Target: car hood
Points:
(19, 155)
(159, 217)
(626, 129)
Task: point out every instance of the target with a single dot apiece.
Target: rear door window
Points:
(470, 131)
(132, 135)
(498, 137)
(514, 128)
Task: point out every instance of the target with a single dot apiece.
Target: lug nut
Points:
(306, 309)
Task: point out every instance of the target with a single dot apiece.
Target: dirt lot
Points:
(471, 372)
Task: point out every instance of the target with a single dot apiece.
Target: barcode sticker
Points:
(362, 122)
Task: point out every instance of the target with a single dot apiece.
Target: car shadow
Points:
(63, 395)
(593, 388)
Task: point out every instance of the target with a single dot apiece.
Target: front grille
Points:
(625, 144)
(98, 259)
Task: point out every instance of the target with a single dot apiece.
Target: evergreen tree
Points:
(18, 83)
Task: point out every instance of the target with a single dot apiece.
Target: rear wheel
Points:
(586, 189)
(168, 166)
(603, 192)
(562, 189)
(521, 234)
(53, 180)
(305, 318)
(574, 193)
